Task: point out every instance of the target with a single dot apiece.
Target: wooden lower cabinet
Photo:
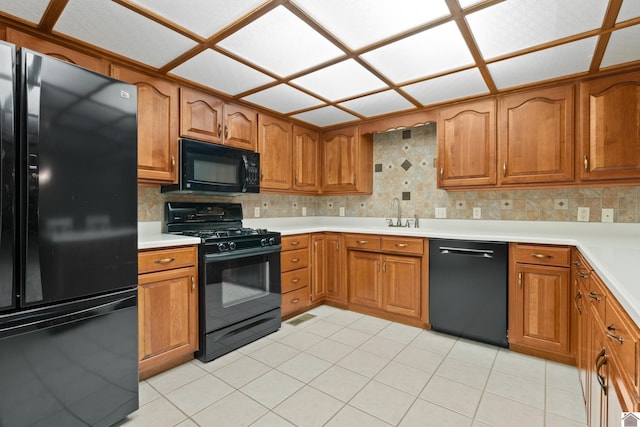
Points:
(539, 310)
(327, 268)
(295, 270)
(167, 309)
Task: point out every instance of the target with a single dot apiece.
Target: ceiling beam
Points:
(608, 23)
(51, 15)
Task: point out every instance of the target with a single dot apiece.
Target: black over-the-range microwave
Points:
(216, 169)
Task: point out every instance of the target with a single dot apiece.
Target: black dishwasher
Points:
(468, 289)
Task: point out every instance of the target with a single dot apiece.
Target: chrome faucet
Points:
(399, 222)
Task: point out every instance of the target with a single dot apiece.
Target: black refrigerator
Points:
(68, 244)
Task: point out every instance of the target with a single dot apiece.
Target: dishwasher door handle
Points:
(465, 251)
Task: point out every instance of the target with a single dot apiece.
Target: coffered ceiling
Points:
(332, 61)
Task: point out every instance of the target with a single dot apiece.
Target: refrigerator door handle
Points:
(45, 319)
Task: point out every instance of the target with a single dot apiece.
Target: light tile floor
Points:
(346, 369)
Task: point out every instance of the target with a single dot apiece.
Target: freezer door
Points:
(7, 173)
(79, 172)
(71, 364)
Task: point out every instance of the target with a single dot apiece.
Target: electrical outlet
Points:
(477, 213)
(304, 211)
(441, 212)
(341, 210)
(583, 214)
(607, 215)
(256, 212)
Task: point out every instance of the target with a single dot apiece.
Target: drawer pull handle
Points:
(164, 260)
(583, 275)
(295, 300)
(296, 243)
(586, 163)
(295, 259)
(504, 169)
(595, 296)
(402, 245)
(575, 302)
(193, 284)
(296, 280)
(362, 242)
(541, 256)
(576, 263)
(611, 335)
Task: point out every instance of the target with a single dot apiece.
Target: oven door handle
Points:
(242, 254)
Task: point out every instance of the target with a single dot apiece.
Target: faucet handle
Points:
(409, 221)
(390, 222)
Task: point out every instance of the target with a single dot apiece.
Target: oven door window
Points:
(238, 289)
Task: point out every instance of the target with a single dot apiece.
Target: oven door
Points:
(239, 286)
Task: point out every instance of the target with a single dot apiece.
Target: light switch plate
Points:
(256, 212)
(583, 214)
(304, 211)
(607, 215)
(441, 212)
(477, 213)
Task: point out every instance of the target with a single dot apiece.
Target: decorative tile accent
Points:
(561, 204)
(406, 165)
(406, 134)
(378, 167)
(406, 195)
(506, 204)
(461, 204)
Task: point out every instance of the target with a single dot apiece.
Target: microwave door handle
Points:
(245, 172)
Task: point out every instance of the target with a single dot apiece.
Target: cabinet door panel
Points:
(467, 145)
(402, 285)
(240, 127)
(275, 153)
(364, 281)
(610, 128)
(541, 308)
(340, 162)
(200, 116)
(536, 136)
(333, 267)
(319, 267)
(305, 159)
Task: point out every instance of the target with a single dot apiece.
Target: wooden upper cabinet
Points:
(200, 116)
(157, 125)
(90, 62)
(306, 165)
(610, 128)
(347, 161)
(240, 127)
(467, 144)
(275, 153)
(536, 136)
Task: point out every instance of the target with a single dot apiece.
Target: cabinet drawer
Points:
(405, 245)
(292, 260)
(295, 300)
(295, 279)
(166, 259)
(623, 340)
(597, 296)
(299, 241)
(544, 255)
(362, 241)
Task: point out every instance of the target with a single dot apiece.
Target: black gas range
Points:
(239, 290)
(218, 225)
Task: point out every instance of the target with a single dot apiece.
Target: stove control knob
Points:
(263, 242)
(272, 241)
(222, 247)
(232, 245)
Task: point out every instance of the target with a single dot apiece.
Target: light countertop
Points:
(611, 249)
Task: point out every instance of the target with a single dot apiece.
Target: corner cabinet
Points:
(610, 136)
(539, 310)
(536, 136)
(347, 161)
(274, 146)
(167, 308)
(157, 125)
(467, 145)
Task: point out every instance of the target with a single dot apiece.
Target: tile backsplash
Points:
(404, 168)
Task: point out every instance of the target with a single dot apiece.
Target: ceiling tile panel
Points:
(380, 103)
(623, 47)
(362, 22)
(325, 116)
(203, 17)
(219, 72)
(519, 24)
(566, 59)
(118, 29)
(449, 87)
(29, 10)
(281, 43)
(283, 99)
(342, 80)
(422, 55)
(630, 9)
